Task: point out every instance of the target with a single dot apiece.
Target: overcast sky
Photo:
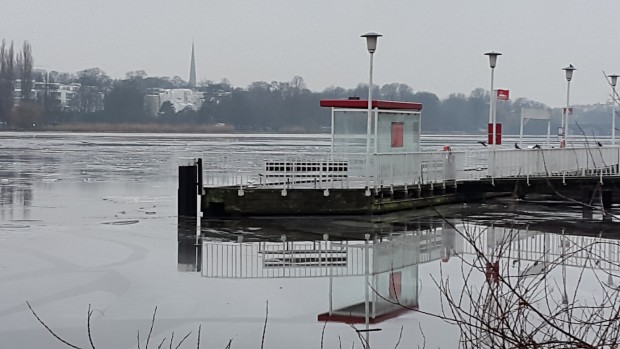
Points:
(433, 45)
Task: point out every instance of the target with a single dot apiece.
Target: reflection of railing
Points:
(333, 257)
(294, 259)
(286, 259)
(531, 246)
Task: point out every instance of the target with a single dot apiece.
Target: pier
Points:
(381, 169)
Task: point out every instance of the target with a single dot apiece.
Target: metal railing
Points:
(313, 170)
(533, 246)
(290, 259)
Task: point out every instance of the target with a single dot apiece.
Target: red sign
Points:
(395, 285)
(498, 134)
(397, 135)
(570, 111)
(503, 95)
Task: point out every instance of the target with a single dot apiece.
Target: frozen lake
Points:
(91, 219)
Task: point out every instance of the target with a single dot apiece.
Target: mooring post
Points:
(188, 190)
(586, 199)
(607, 196)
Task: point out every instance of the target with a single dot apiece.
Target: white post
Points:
(331, 272)
(567, 111)
(521, 131)
(549, 131)
(371, 43)
(492, 119)
(569, 76)
(491, 106)
(613, 116)
(613, 110)
(368, 126)
(333, 134)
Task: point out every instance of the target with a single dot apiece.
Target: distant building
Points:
(192, 70)
(18, 95)
(69, 97)
(55, 96)
(181, 99)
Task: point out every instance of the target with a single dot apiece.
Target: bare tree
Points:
(7, 79)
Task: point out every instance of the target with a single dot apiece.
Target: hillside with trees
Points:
(31, 98)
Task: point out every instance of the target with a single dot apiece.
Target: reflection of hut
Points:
(389, 266)
(391, 274)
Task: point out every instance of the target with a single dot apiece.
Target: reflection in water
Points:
(368, 263)
(15, 193)
(189, 253)
(519, 268)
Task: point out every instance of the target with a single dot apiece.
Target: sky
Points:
(434, 46)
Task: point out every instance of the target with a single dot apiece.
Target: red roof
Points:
(363, 104)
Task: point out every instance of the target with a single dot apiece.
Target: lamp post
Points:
(371, 43)
(614, 80)
(569, 76)
(492, 63)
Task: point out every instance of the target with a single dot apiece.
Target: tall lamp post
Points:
(614, 80)
(371, 43)
(569, 76)
(492, 63)
(492, 120)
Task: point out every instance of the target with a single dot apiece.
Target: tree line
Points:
(17, 66)
(262, 106)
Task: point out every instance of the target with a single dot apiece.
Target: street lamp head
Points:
(569, 72)
(371, 41)
(492, 58)
(614, 79)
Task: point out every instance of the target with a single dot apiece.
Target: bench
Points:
(306, 170)
(304, 258)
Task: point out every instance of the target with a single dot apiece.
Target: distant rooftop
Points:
(363, 104)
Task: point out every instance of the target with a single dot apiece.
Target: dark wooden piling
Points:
(190, 182)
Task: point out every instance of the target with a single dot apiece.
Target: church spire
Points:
(192, 70)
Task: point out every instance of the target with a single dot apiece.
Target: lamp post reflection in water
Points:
(366, 288)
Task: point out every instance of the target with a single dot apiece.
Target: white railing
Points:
(534, 246)
(281, 259)
(304, 259)
(318, 170)
(556, 162)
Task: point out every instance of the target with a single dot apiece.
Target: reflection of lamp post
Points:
(492, 63)
(563, 244)
(614, 80)
(610, 277)
(371, 43)
(366, 289)
(569, 76)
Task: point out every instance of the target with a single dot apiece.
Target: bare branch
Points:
(90, 337)
(262, 342)
(148, 338)
(49, 329)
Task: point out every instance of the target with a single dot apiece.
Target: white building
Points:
(181, 99)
